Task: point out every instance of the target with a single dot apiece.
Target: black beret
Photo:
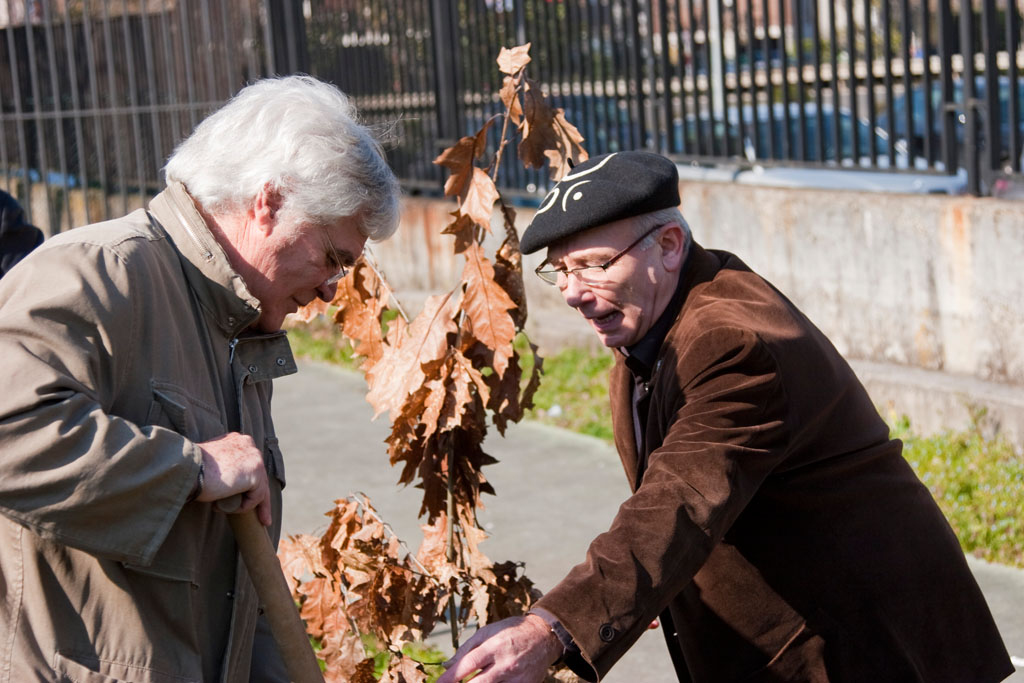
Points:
(602, 190)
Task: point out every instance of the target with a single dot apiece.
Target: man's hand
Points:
(232, 465)
(515, 650)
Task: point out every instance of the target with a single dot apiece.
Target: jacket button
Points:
(280, 361)
(607, 633)
(253, 368)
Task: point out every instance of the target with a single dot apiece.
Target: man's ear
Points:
(672, 241)
(266, 206)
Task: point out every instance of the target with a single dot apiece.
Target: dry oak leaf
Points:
(547, 135)
(298, 555)
(314, 308)
(321, 600)
(512, 60)
(568, 149)
(459, 160)
(399, 372)
(463, 228)
(510, 98)
(403, 670)
(487, 305)
(481, 194)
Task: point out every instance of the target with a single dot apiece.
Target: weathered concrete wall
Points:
(921, 292)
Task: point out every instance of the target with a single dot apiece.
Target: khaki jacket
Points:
(123, 346)
(774, 525)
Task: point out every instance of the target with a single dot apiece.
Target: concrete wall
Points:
(921, 292)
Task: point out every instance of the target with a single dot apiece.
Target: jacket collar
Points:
(220, 290)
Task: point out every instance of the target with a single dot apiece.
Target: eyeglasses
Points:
(591, 275)
(334, 261)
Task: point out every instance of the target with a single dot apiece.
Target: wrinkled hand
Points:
(515, 650)
(233, 465)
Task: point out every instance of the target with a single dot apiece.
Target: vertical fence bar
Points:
(134, 105)
(97, 121)
(801, 95)
(837, 102)
(769, 68)
(819, 128)
(695, 53)
(947, 36)
(741, 118)
(890, 105)
(927, 82)
(170, 88)
(76, 104)
(42, 160)
(754, 88)
(851, 41)
(992, 130)
(913, 151)
(869, 84)
(967, 49)
(1013, 111)
(64, 207)
(787, 124)
(156, 126)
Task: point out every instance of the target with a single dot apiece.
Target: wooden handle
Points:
(285, 623)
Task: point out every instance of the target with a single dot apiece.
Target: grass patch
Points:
(978, 481)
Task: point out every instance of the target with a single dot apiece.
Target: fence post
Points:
(288, 30)
(971, 159)
(446, 83)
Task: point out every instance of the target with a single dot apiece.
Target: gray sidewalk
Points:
(555, 491)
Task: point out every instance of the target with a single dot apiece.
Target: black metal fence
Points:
(95, 93)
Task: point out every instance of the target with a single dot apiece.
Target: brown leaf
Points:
(313, 309)
(481, 194)
(398, 373)
(361, 303)
(320, 600)
(568, 148)
(504, 400)
(459, 160)
(547, 135)
(487, 304)
(403, 670)
(364, 672)
(510, 98)
(464, 229)
(298, 555)
(508, 271)
(511, 61)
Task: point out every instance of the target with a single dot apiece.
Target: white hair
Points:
(300, 136)
(649, 221)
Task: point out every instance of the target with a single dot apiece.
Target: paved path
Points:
(544, 518)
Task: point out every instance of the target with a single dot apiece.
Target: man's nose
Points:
(327, 291)
(573, 290)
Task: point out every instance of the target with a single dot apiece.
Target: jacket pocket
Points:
(174, 408)
(73, 667)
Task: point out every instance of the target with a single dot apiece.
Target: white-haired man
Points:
(138, 359)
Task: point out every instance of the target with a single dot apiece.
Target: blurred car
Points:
(915, 143)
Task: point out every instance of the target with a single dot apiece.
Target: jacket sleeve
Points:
(71, 470)
(721, 408)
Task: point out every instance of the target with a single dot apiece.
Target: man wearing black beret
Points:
(774, 526)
